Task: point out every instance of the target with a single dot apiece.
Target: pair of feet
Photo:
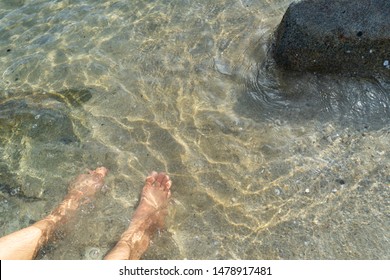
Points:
(148, 217)
(154, 197)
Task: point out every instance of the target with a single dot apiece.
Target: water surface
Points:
(265, 165)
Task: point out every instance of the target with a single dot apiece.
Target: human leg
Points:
(148, 217)
(25, 243)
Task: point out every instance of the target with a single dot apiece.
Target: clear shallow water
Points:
(264, 165)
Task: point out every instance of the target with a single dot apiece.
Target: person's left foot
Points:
(87, 185)
(80, 191)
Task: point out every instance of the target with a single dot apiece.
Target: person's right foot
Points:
(154, 200)
(148, 217)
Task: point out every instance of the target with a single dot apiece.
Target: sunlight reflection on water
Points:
(263, 166)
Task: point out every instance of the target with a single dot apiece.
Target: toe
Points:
(160, 179)
(166, 182)
(151, 178)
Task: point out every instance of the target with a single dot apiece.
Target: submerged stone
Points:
(335, 36)
(21, 117)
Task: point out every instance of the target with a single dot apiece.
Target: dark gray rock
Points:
(335, 36)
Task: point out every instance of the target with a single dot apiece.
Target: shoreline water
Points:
(181, 87)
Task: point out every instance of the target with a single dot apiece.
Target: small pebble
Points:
(307, 190)
(340, 181)
(386, 64)
(93, 253)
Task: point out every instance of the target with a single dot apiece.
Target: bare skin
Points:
(148, 217)
(25, 243)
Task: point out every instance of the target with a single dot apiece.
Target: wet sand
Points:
(265, 166)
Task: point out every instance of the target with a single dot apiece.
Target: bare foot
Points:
(25, 243)
(154, 200)
(86, 185)
(148, 217)
(80, 191)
